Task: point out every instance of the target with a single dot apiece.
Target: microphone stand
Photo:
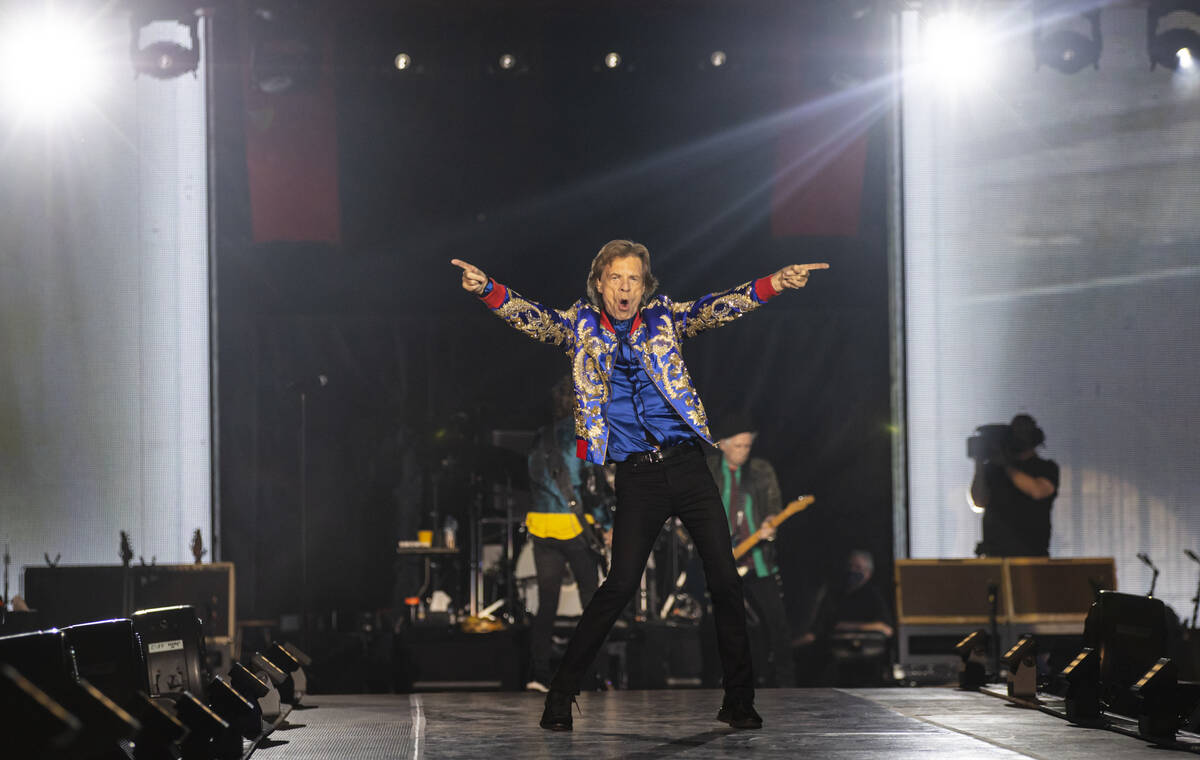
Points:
(993, 593)
(4, 601)
(1195, 599)
(1154, 578)
(304, 514)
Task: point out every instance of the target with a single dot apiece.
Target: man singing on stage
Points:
(635, 405)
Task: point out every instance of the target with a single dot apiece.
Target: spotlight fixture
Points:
(46, 728)
(1021, 661)
(1083, 688)
(243, 715)
(1065, 50)
(956, 49)
(208, 734)
(508, 64)
(402, 61)
(172, 641)
(717, 59)
(1176, 48)
(973, 649)
(164, 59)
(612, 60)
(1158, 716)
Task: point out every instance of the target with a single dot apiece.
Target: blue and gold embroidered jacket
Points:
(586, 335)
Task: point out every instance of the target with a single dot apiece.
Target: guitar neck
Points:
(799, 505)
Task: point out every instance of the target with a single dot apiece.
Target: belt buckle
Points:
(655, 456)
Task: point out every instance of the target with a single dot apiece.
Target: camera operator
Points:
(1015, 487)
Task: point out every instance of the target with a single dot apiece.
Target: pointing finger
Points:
(810, 267)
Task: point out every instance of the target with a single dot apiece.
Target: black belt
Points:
(661, 455)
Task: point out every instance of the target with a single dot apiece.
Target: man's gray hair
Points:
(865, 556)
(619, 249)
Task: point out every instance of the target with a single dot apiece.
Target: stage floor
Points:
(845, 724)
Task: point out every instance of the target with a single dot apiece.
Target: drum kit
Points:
(502, 584)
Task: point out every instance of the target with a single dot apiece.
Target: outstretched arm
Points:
(538, 322)
(716, 309)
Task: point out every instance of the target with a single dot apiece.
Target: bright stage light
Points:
(402, 61)
(956, 50)
(612, 60)
(717, 58)
(1176, 47)
(49, 64)
(507, 61)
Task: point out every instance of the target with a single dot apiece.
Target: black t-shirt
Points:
(1015, 525)
(864, 604)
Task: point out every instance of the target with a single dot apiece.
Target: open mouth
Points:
(624, 303)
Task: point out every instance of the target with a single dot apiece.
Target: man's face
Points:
(736, 449)
(859, 569)
(621, 287)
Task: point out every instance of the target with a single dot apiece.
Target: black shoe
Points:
(557, 715)
(739, 712)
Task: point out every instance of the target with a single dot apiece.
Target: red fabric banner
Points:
(821, 157)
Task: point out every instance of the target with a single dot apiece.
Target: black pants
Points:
(770, 638)
(766, 599)
(647, 494)
(551, 557)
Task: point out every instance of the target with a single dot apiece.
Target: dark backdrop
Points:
(527, 176)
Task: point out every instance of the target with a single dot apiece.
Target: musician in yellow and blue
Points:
(635, 405)
(564, 489)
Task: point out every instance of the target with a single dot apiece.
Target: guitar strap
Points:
(563, 479)
(760, 565)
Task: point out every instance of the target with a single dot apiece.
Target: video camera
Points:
(989, 442)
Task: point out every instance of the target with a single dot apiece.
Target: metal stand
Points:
(993, 620)
(475, 563)
(478, 522)
(643, 605)
(426, 553)
(304, 517)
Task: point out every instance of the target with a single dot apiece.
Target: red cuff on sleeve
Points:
(581, 448)
(764, 290)
(495, 299)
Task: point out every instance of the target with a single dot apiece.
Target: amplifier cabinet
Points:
(71, 594)
(1048, 591)
(1028, 589)
(939, 601)
(949, 592)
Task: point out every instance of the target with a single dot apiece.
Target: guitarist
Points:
(568, 525)
(750, 493)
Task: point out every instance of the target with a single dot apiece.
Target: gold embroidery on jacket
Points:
(656, 341)
(714, 310)
(536, 321)
(669, 372)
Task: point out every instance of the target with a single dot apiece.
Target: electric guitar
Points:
(799, 505)
(592, 534)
